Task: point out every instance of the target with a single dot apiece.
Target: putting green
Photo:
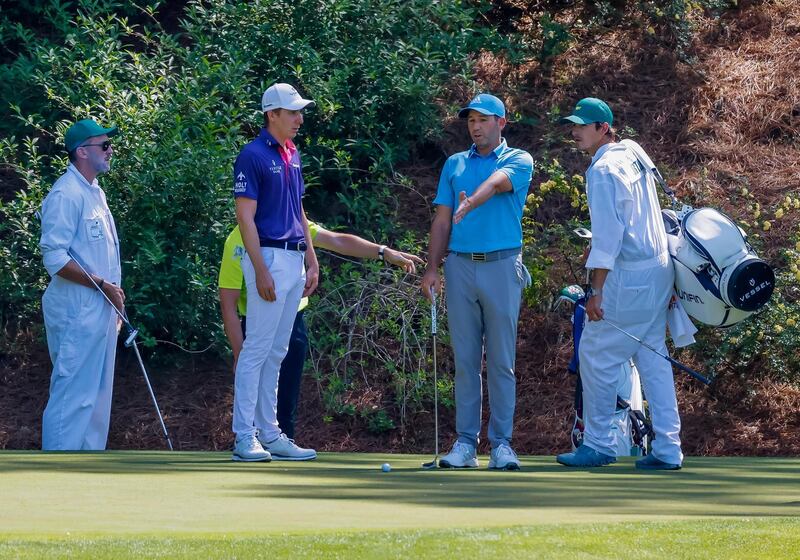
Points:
(163, 493)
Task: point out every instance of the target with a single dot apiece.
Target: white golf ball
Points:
(386, 467)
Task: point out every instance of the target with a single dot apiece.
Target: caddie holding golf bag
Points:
(631, 287)
(79, 235)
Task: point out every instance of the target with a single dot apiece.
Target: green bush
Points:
(186, 102)
(371, 346)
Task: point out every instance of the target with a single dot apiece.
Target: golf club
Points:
(700, 377)
(130, 341)
(433, 464)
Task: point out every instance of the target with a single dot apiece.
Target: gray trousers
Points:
(483, 300)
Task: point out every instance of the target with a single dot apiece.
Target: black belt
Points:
(287, 245)
(488, 257)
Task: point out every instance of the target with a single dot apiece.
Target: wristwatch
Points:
(381, 249)
(592, 291)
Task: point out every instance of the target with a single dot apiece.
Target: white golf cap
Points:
(283, 96)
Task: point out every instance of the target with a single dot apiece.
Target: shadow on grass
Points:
(706, 486)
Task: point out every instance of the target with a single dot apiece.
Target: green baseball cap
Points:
(590, 110)
(82, 130)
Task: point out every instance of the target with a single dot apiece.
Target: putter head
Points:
(431, 465)
(132, 334)
(583, 233)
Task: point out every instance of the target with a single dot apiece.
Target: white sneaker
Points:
(503, 458)
(462, 456)
(284, 449)
(248, 449)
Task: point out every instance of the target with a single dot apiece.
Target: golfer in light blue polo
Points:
(478, 225)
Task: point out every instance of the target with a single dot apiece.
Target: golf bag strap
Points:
(648, 164)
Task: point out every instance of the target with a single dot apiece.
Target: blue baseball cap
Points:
(486, 104)
(590, 110)
(83, 130)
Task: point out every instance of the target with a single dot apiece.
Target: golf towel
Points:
(680, 326)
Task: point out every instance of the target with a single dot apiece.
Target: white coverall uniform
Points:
(81, 326)
(628, 239)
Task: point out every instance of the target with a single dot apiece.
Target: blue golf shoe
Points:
(585, 456)
(653, 463)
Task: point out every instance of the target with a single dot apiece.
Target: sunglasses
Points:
(104, 146)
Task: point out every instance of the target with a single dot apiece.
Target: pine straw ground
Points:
(728, 121)
(734, 417)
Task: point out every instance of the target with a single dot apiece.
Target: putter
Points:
(130, 342)
(435, 463)
(699, 376)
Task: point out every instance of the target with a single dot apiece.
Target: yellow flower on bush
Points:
(778, 329)
(797, 246)
(757, 214)
(790, 322)
(766, 225)
(779, 213)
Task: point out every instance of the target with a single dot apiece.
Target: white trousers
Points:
(82, 339)
(269, 327)
(635, 300)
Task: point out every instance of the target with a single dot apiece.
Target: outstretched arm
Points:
(496, 183)
(354, 246)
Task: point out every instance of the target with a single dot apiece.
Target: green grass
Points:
(201, 505)
(702, 539)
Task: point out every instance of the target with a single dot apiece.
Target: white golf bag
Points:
(718, 277)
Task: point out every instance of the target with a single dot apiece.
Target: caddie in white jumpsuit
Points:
(632, 281)
(81, 326)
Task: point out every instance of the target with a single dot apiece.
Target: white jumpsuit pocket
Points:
(95, 229)
(635, 304)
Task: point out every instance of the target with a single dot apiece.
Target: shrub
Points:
(186, 102)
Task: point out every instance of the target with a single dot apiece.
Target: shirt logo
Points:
(275, 168)
(95, 230)
(241, 183)
(238, 252)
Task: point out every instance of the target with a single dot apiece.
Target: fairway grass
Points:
(697, 540)
(201, 505)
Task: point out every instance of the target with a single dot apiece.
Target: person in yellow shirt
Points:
(233, 304)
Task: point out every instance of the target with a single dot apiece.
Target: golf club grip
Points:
(699, 376)
(433, 313)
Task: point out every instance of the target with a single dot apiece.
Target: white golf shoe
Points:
(285, 449)
(248, 449)
(462, 456)
(503, 458)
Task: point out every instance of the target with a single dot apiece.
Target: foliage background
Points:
(183, 81)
